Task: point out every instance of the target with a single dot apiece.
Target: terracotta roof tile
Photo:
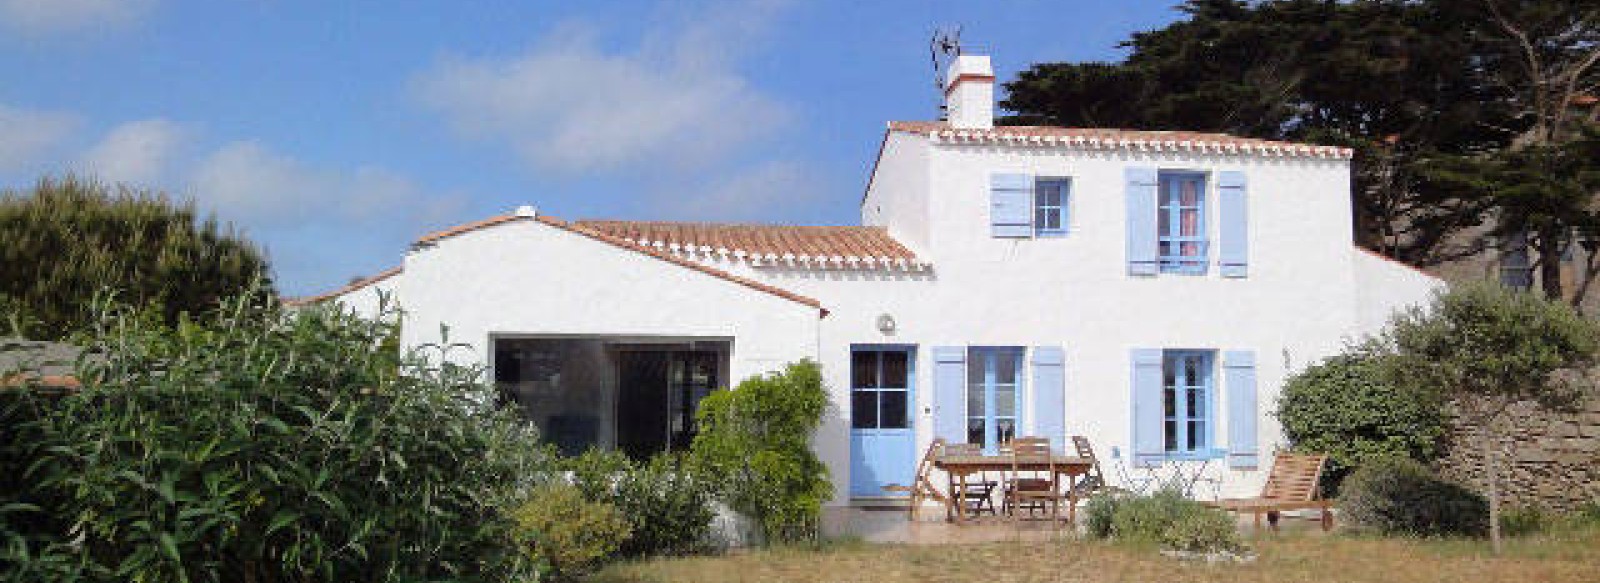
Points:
(764, 241)
(352, 286)
(611, 239)
(1107, 138)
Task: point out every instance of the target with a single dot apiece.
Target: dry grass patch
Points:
(1556, 558)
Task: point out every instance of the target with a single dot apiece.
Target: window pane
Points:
(977, 364)
(864, 409)
(894, 370)
(864, 370)
(1189, 192)
(1005, 429)
(894, 410)
(975, 431)
(1196, 435)
(1168, 407)
(1164, 222)
(1005, 367)
(1041, 219)
(1193, 408)
(1172, 435)
(975, 400)
(1005, 400)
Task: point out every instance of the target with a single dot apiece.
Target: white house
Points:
(1149, 290)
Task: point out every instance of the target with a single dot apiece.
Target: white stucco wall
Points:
(897, 197)
(366, 301)
(528, 278)
(1384, 286)
(1298, 304)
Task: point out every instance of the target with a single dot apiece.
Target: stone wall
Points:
(1548, 461)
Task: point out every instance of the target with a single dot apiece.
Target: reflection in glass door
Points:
(994, 394)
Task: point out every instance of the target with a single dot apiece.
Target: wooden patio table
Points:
(958, 467)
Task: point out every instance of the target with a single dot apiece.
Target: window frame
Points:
(1206, 447)
(880, 386)
(1167, 207)
(1063, 208)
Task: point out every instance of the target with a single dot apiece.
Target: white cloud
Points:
(41, 17)
(26, 135)
(137, 152)
(677, 99)
(762, 192)
(245, 182)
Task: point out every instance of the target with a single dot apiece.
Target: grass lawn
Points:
(1554, 558)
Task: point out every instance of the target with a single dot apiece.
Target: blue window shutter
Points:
(1011, 205)
(1148, 447)
(1239, 376)
(1049, 394)
(1234, 258)
(1141, 219)
(950, 393)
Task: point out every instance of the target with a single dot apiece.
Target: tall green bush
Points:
(1483, 348)
(755, 444)
(65, 240)
(1347, 408)
(567, 534)
(260, 446)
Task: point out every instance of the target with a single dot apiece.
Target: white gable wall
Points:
(897, 197)
(528, 278)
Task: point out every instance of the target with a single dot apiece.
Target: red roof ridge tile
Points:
(1124, 138)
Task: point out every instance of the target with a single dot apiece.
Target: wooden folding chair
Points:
(921, 488)
(979, 495)
(1031, 457)
(1294, 484)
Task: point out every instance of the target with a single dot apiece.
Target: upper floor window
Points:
(1181, 222)
(1050, 206)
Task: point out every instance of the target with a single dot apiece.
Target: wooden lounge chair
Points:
(1294, 484)
(921, 488)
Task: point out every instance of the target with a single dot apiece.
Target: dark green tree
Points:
(1394, 80)
(66, 240)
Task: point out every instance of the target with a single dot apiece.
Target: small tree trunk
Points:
(1549, 250)
(1491, 471)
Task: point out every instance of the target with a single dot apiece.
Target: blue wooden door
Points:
(882, 445)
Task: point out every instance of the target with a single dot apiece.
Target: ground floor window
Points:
(1186, 397)
(639, 397)
(994, 394)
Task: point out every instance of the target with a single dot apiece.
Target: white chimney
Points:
(969, 92)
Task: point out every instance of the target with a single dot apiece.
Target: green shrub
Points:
(1525, 520)
(255, 445)
(566, 533)
(754, 443)
(1346, 408)
(1165, 518)
(1401, 496)
(1202, 530)
(669, 506)
(666, 502)
(1099, 513)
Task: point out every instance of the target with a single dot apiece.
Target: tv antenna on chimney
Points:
(943, 48)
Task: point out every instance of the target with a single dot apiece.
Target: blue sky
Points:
(334, 133)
